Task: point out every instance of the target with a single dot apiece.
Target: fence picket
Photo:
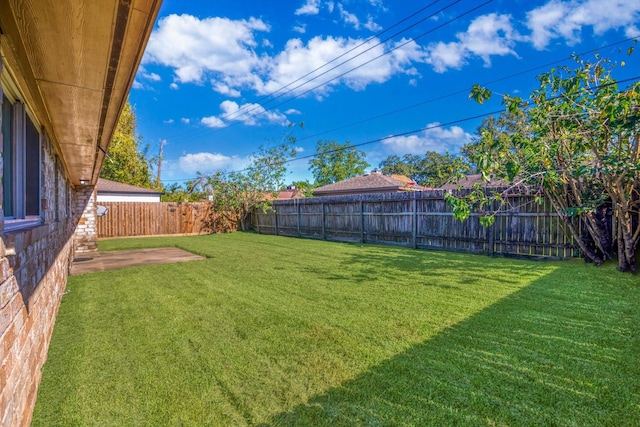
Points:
(423, 220)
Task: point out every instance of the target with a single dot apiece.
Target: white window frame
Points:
(20, 115)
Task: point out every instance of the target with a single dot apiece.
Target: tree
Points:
(305, 187)
(335, 162)
(432, 170)
(408, 165)
(192, 191)
(236, 194)
(579, 149)
(126, 162)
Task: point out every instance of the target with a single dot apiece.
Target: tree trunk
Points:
(589, 253)
(626, 243)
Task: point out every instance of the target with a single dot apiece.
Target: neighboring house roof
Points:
(75, 63)
(469, 180)
(105, 186)
(290, 194)
(285, 195)
(374, 182)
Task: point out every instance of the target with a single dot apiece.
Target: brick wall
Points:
(34, 264)
(86, 235)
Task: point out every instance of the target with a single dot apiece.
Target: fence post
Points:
(324, 227)
(298, 222)
(491, 231)
(414, 208)
(362, 232)
(275, 215)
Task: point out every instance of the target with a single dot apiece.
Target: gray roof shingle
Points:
(106, 186)
(368, 183)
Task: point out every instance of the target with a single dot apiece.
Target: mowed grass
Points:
(281, 331)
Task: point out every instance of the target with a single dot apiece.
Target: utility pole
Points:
(162, 142)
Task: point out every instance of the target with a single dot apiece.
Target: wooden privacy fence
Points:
(126, 219)
(523, 227)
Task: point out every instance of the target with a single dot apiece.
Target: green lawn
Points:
(280, 331)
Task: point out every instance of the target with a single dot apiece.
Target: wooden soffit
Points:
(74, 62)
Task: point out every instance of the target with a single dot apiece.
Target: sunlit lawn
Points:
(280, 331)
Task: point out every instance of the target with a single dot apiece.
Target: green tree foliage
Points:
(126, 161)
(335, 162)
(579, 147)
(432, 170)
(407, 165)
(192, 191)
(305, 187)
(236, 194)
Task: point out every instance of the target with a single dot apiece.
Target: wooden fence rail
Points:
(126, 219)
(523, 227)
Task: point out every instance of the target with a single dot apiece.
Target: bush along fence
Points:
(522, 227)
(127, 219)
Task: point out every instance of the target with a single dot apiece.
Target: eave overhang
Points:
(74, 62)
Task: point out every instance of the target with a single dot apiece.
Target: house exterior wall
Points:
(86, 234)
(34, 264)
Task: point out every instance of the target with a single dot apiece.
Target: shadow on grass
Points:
(558, 352)
(376, 260)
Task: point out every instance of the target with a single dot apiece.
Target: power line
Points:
(369, 61)
(375, 36)
(465, 90)
(349, 60)
(423, 129)
(357, 67)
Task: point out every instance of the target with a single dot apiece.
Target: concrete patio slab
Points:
(111, 260)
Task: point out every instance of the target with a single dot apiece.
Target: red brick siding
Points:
(34, 265)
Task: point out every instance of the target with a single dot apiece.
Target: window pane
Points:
(7, 156)
(32, 166)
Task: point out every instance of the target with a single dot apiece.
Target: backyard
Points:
(280, 331)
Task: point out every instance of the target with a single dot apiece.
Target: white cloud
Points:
(300, 28)
(486, 36)
(185, 120)
(348, 18)
(223, 52)
(434, 138)
(330, 6)
(223, 89)
(249, 114)
(300, 59)
(137, 85)
(291, 111)
(190, 164)
(299, 150)
(213, 122)
(371, 25)
(566, 19)
(169, 121)
(152, 76)
(203, 46)
(311, 7)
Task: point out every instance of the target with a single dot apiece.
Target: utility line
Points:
(367, 62)
(349, 60)
(426, 128)
(254, 107)
(465, 90)
(375, 36)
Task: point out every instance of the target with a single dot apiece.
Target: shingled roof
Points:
(469, 180)
(105, 186)
(374, 182)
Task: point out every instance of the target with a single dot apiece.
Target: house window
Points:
(21, 164)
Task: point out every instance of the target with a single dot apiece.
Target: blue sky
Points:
(221, 78)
